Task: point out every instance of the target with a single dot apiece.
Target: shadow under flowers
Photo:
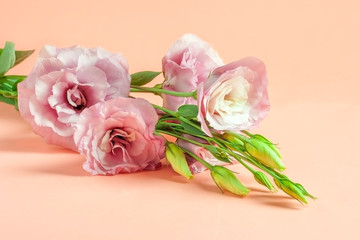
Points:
(31, 144)
(204, 181)
(64, 164)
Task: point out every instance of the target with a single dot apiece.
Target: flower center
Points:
(231, 97)
(76, 98)
(116, 138)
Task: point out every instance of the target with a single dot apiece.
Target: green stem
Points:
(202, 161)
(241, 137)
(206, 138)
(236, 156)
(167, 118)
(259, 165)
(134, 88)
(247, 133)
(243, 155)
(175, 114)
(181, 137)
(172, 113)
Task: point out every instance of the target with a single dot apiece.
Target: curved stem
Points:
(181, 137)
(134, 88)
(202, 161)
(257, 164)
(206, 138)
(172, 113)
(175, 114)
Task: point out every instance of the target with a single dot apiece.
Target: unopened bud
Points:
(177, 160)
(233, 139)
(263, 180)
(226, 180)
(299, 186)
(264, 153)
(268, 142)
(291, 189)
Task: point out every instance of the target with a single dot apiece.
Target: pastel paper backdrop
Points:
(311, 51)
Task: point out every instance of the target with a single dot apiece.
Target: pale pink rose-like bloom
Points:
(116, 136)
(234, 97)
(201, 152)
(186, 64)
(63, 83)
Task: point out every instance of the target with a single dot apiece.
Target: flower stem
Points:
(181, 137)
(172, 113)
(236, 156)
(154, 90)
(239, 136)
(202, 161)
(259, 165)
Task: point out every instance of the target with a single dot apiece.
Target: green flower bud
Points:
(299, 186)
(226, 180)
(177, 160)
(267, 141)
(263, 180)
(291, 189)
(233, 139)
(264, 153)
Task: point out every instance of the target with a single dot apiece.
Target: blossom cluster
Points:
(80, 99)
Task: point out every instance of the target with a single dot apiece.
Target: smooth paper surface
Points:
(311, 51)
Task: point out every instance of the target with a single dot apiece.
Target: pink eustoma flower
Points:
(234, 97)
(63, 83)
(116, 136)
(186, 64)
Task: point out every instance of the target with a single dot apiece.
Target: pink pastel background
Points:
(311, 49)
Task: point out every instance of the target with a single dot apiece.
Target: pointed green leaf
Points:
(7, 58)
(188, 111)
(142, 78)
(22, 55)
(191, 129)
(11, 101)
(11, 81)
(7, 93)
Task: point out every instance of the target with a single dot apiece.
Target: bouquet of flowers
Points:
(80, 99)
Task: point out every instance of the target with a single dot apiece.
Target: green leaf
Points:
(7, 93)
(7, 58)
(11, 101)
(188, 111)
(142, 78)
(11, 81)
(22, 55)
(191, 129)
